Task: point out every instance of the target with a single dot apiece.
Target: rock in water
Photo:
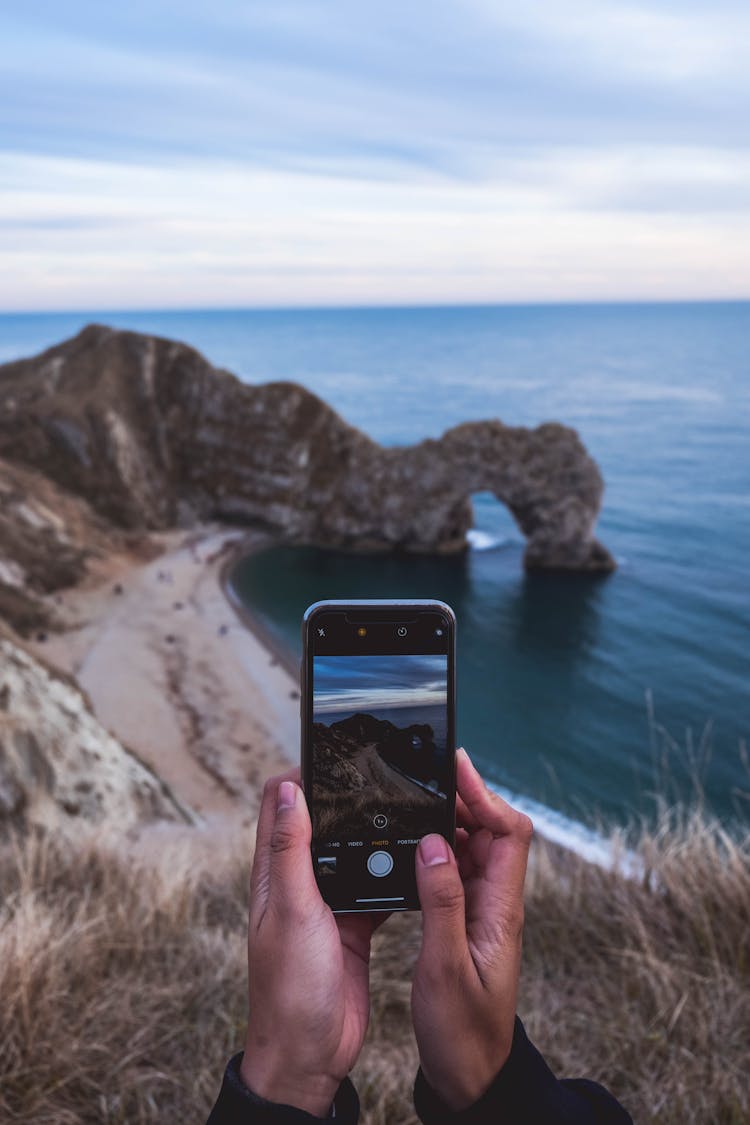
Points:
(151, 436)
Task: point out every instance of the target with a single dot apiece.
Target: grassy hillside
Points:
(123, 980)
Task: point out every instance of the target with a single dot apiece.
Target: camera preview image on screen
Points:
(379, 741)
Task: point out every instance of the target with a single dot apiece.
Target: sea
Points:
(589, 701)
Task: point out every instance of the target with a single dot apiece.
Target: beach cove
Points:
(593, 682)
(217, 690)
(173, 671)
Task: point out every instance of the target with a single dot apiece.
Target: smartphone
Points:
(378, 744)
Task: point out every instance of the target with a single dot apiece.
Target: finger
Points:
(441, 896)
(505, 875)
(494, 899)
(467, 866)
(356, 930)
(471, 853)
(464, 818)
(478, 847)
(266, 819)
(499, 853)
(291, 882)
(488, 809)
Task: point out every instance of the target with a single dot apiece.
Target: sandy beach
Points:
(175, 674)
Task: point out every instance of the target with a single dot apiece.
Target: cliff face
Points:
(58, 766)
(147, 435)
(47, 538)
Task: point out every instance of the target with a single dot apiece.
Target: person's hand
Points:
(466, 978)
(308, 971)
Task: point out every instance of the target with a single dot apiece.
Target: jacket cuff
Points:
(520, 1090)
(237, 1105)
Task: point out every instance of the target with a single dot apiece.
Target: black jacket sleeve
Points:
(236, 1105)
(525, 1092)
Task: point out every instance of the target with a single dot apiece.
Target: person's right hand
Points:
(466, 979)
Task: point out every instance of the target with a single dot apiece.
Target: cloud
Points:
(427, 84)
(196, 234)
(310, 152)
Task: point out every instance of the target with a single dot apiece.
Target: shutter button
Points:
(380, 864)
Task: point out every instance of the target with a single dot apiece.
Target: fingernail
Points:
(466, 758)
(287, 795)
(433, 850)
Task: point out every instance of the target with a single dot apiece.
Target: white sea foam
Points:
(482, 540)
(560, 829)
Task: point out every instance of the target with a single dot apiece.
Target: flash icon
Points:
(321, 632)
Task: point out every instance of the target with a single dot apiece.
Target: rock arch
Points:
(150, 435)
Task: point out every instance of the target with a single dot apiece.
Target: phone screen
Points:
(378, 746)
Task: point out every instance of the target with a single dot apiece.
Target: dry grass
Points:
(122, 981)
(646, 985)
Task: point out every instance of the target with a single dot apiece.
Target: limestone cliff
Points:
(58, 766)
(146, 434)
(48, 538)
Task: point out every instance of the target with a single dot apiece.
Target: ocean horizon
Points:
(581, 697)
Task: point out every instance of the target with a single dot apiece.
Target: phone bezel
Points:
(377, 606)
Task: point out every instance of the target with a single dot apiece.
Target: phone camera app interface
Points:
(381, 770)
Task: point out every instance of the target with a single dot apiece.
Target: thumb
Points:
(441, 895)
(291, 880)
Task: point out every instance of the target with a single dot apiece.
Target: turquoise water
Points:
(554, 673)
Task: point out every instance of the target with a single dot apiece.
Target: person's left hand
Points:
(308, 970)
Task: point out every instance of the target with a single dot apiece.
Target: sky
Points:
(378, 683)
(184, 155)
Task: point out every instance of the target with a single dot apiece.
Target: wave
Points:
(482, 540)
(609, 853)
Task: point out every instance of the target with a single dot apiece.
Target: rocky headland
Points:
(128, 464)
(112, 435)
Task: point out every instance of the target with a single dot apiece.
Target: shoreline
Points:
(551, 826)
(177, 675)
(251, 620)
(216, 691)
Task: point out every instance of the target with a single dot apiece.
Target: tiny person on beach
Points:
(309, 982)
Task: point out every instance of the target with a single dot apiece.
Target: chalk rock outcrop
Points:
(58, 766)
(150, 435)
(48, 538)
